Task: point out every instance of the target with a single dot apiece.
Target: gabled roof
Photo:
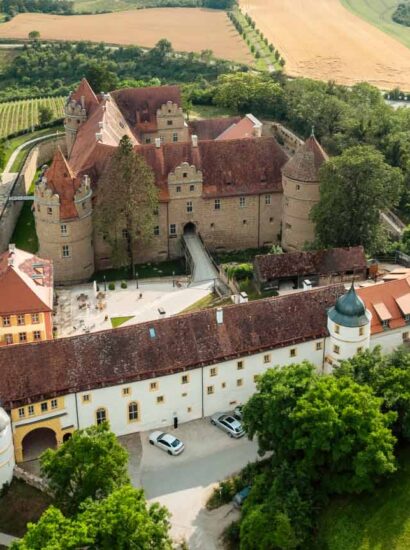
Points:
(211, 128)
(26, 283)
(305, 164)
(245, 128)
(61, 180)
(162, 347)
(320, 262)
(85, 94)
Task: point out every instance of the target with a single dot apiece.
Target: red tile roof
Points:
(26, 283)
(384, 299)
(211, 128)
(320, 262)
(86, 93)
(305, 164)
(183, 342)
(245, 128)
(61, 180)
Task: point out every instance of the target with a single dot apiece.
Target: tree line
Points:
(59, 7)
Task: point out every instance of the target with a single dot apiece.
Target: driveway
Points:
(184, 483)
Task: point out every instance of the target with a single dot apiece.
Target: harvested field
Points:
(188, 29)
(323, 40)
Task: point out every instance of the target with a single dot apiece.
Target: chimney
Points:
(194, 140)
(101, 125)
(219, 316)
(157, 143)
(83, 102)
(12, 248)
(98, 136)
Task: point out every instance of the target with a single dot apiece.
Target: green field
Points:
(378, 13)
(22, 114)
(122, 5)
(379, 521)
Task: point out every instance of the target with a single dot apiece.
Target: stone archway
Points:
(189, 228)
(37, 441)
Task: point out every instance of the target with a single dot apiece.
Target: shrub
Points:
(111, 286)
(230, 536)
(124, 284)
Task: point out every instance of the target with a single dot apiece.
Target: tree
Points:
(45, 114)
(90, 464)
(161, 50)
(100, 77)
(122, 520)
(354, 188)
(126, 201)
(34, 35)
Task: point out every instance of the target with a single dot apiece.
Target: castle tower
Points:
(63, 216)
(6, 449)
(300, 178)
(78, 107)
(348, 323)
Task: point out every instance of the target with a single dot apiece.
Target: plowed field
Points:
(188, 29)
(321, 39)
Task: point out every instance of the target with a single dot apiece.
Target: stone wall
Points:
(40, 154)
(32, 480)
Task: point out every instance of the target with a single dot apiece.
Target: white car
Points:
(228, 424)
(167, 442)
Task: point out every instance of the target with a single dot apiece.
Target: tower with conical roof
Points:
(6, 449)
(348, 323)
(77, 109)
(300, 179)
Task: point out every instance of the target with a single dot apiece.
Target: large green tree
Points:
(122, 520)
(126, 201)
(91, 464)
(354, 188)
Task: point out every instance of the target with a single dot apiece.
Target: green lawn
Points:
(145, 271)
(119, 5)
(19, 506)
(379, 521)
(378, 13)
(118, 321)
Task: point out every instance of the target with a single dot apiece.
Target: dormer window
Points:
(385, 323)
(407, 318)
(169, 122)
(185, 175)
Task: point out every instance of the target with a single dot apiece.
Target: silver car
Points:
(167, 442)
(229, 424)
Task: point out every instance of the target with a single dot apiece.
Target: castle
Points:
(227, 179)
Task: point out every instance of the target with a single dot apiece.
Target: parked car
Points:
(167, 442)
(229, 424)
(240, 497)
(238, 412)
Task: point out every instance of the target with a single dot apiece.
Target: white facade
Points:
(345, 342)
(6, 449)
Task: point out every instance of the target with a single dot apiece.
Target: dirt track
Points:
(321, 39)
(188, 29)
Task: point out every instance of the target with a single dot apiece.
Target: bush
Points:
(240, 272)
(124, 284)
(111, 286)
(222, 494)
(230, 536)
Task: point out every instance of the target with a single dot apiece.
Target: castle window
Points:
(212, 225)
(337, 329)
(147, 140)
(133, 412)
(160, 399)
(156, 230)
(239, 382)
(292, 352)
(36, 335)
(30, 410)
(297, 187)
(270, 220)
(22, 412)
(185, 175)
(153, 386)
(189, 409)
(44, 407)
(213, 371)
(336, 349)
(21, 320)
(9, 339)
(172, 229)
(125, 234)
(185, 379)
(6, 321)
(361, 331)
(101, 415)
(242, 202)
(178, 189)
(385, 323)
(192, 187)
(268, 199)
(217, 204)
(189, 207)
(155, 212)
(35, 318)
(223, 385)
(49, 211)
(66, 251)
(239, 365)
(174, 137)
(86, 398)
(63, 229)
(210, 390)
(319, 346)
(405, 336)
(244, 222)
(169, 122)
(126, 391)
(22, 337)
(266, 358)
(54, 403)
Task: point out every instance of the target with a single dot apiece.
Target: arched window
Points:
(133, 412)
(101, 415)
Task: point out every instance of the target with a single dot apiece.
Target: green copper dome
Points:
(349, 310)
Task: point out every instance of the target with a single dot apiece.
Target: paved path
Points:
(13, 156)
(204, 270)
(6, 540)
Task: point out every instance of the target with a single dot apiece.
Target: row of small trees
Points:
(254, 48)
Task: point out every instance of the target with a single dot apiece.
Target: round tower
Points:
(7, 461)
(63, 217)
(300, 179)
(348, 323)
